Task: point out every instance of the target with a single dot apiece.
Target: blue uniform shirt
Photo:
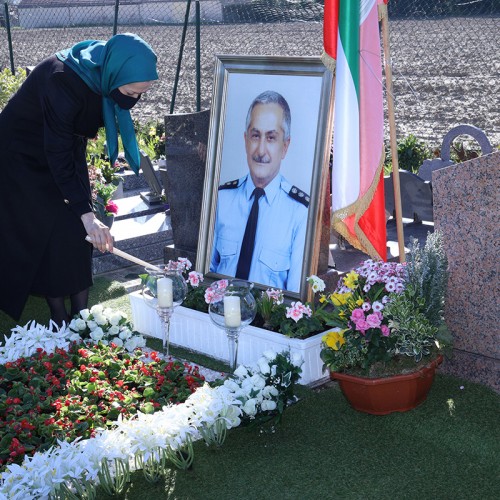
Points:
(280, 237)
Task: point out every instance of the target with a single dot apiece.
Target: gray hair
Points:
(272, 97)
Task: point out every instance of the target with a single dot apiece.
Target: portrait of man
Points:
(261, 218)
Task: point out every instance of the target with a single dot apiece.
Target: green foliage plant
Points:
(411, 154)
(9, 84)
(151, 138)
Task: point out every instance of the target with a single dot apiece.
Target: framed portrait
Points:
(267, 164)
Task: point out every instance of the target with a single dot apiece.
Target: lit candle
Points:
(165, 292)
(232, 311)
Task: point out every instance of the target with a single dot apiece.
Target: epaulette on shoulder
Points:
(229, 185)
(300, 196)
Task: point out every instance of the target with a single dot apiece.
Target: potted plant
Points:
(389, 329)
(105, 208)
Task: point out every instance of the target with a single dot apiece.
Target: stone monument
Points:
(466, 208)
(183, 179)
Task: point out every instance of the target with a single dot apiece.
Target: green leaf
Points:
(148, 392)
(148, 408)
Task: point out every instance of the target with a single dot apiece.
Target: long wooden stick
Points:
(384, 18)
(131, 258)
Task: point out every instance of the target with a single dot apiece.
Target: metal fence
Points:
(443, 54)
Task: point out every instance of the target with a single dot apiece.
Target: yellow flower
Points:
(152, 131)
(351, 280)
(339, 299)
(360, 302)
(334, 339)
(322, 299)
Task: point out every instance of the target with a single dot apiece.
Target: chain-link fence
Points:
(444, 54)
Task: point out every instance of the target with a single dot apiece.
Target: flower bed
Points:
(194, 330)
(152, 440)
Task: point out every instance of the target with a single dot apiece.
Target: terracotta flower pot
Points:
(381, 396)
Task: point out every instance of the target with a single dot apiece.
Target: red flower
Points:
(111, 207)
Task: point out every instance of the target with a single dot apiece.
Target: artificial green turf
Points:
(447, 448)
(326, 450)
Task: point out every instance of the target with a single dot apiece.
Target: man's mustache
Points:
(261, 159)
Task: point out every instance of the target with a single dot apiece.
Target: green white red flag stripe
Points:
(352, 48)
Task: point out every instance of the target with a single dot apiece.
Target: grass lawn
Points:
(447, 448)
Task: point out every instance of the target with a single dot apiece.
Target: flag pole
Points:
(384, 19)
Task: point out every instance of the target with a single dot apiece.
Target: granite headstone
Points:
(466, 208)
(183, 179)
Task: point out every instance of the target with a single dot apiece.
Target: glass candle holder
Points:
(232, 308)
(164, 290)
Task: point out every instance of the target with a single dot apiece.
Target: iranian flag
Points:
(352, 50)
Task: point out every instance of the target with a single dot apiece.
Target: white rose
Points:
(249, 407)
(268, 405)
(258, 381)
(131, 344)
(80, 324)
(140, 341)
(125, 334)
(114, 330)
(273, 391)
(231, 385)
(85, 313)
(97, 309)
(92, 325)
(97, 335)
(247, 384)
(296, 359)
(241, 371)
(264, 366)
(75, 338)
(269, 354)
(115, 318)
(274, 369)
(100, 319)
(118, 342)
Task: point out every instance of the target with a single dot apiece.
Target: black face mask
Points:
(124, 101)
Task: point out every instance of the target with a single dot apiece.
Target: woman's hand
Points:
(98, 232)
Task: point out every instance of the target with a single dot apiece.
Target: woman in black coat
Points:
(45, 196)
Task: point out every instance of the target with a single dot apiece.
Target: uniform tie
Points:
(246, 252)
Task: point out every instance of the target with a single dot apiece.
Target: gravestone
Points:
(154, 195)
(183, 179)
(416, 196)
(429, 166)
(466, 208)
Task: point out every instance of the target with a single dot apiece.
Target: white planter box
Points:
(195, 331)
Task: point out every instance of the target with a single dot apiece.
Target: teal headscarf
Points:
(105, 66)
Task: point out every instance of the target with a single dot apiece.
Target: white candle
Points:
(232, 311)
(165, 292)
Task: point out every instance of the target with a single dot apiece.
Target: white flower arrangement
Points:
(99, 324)
(265, 388)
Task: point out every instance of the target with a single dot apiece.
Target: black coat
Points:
(44, 186)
